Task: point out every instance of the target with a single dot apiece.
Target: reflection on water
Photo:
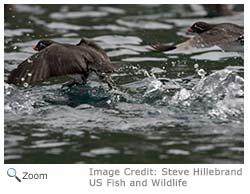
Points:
(166, 107)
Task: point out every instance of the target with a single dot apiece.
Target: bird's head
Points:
(200, 27)
(42, 44)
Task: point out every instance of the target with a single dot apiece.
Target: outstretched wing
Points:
(54, 60)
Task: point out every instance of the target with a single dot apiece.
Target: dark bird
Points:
(227, 36)
(56, 59)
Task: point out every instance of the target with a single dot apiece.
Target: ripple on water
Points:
(113, 10)
(45, 144)
(13, 140)
(204, 148)
(149, 25)
(110, 27)
(34, 9)
(121, 52)
(16, 32)
(236, 18)
(121, 40)
(178, 152)
(55, 151)
(100, 151)
(12, 157)
(215, 56)
(65, 26)
(141, 59)
(76, 14)
(171, 143)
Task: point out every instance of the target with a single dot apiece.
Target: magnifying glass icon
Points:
(11, 172)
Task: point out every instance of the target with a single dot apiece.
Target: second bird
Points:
(227, 36)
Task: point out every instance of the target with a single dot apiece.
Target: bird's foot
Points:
(69, 84)
(107, 79)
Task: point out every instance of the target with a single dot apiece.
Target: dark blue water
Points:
(182, 107)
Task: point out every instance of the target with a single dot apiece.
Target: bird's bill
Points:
(34, 47)
(190, 30)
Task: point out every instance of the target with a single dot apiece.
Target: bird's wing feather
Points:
(54, 60)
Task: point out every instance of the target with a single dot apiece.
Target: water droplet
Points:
(240, 93)
(29, 60)
(108, 101)
(29, 74)
(239, 80)
(153, 86)
(13, 16)
(15, 47)
(201, 73)
(25, 84)
(145, 72)
(196, 65)
(22, 79)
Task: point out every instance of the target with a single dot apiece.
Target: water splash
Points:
(219, 95)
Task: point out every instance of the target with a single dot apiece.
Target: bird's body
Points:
(224, 35)
(56, 59)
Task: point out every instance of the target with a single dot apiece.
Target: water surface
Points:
(166, 108)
